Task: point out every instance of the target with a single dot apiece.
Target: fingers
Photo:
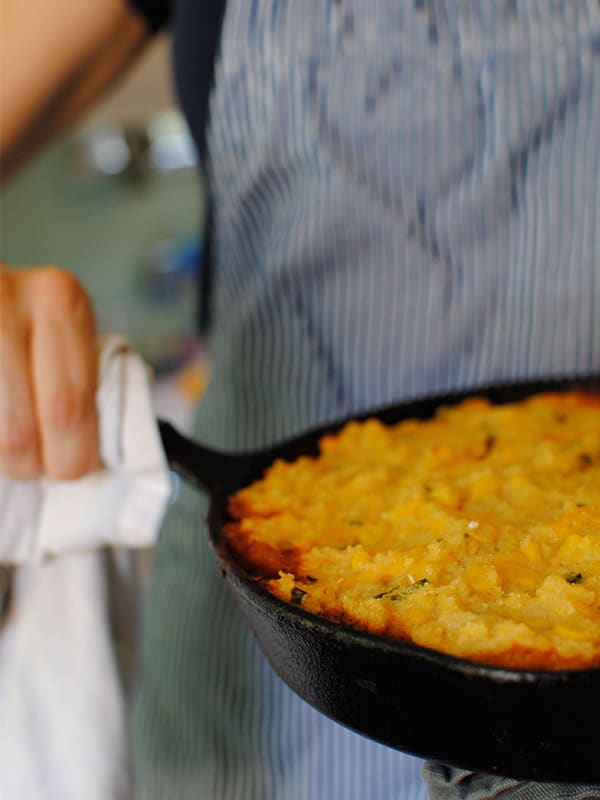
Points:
(50, 379)
(19, 442)
(63, 368)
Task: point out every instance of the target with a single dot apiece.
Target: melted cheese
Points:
(476, 533)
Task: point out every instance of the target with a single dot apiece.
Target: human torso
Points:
(405, 198)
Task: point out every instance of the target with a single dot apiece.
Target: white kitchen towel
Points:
(67, 643)
(120, 504)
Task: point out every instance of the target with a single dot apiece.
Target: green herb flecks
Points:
(398, 593)
(574, 577)
(297, 595)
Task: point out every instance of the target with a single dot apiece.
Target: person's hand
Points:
(48, 373)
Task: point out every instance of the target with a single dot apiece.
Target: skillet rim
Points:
(403, 647)
(501, 393)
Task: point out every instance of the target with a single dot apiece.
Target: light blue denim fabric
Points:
(406, 199)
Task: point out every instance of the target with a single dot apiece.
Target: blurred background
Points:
(118, 202)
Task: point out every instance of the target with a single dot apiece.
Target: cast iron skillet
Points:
(523, 724)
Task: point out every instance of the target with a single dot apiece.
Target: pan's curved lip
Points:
(497, 392)
(389, 413)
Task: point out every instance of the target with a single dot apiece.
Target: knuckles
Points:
(19, 453)
(17, 439)
(66, 409)
(58, 292)
(50, 289)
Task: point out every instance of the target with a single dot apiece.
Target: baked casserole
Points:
(476, 532)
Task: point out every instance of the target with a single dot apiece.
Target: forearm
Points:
(56, 59)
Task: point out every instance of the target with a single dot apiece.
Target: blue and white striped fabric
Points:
(406, 199)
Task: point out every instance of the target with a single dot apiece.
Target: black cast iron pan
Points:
(523, 724)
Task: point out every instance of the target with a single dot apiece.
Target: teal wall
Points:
(104, 230)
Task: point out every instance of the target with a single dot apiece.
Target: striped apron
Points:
(406, 199)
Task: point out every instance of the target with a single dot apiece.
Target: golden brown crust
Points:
(476, 533)
(260, 558)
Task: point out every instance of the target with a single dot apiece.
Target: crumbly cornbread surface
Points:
(476, 533)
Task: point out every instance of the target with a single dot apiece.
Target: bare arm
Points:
(56, 59)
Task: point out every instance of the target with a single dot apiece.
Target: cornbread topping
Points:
(476, 533)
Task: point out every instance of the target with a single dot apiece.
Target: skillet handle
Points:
(199, 465)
